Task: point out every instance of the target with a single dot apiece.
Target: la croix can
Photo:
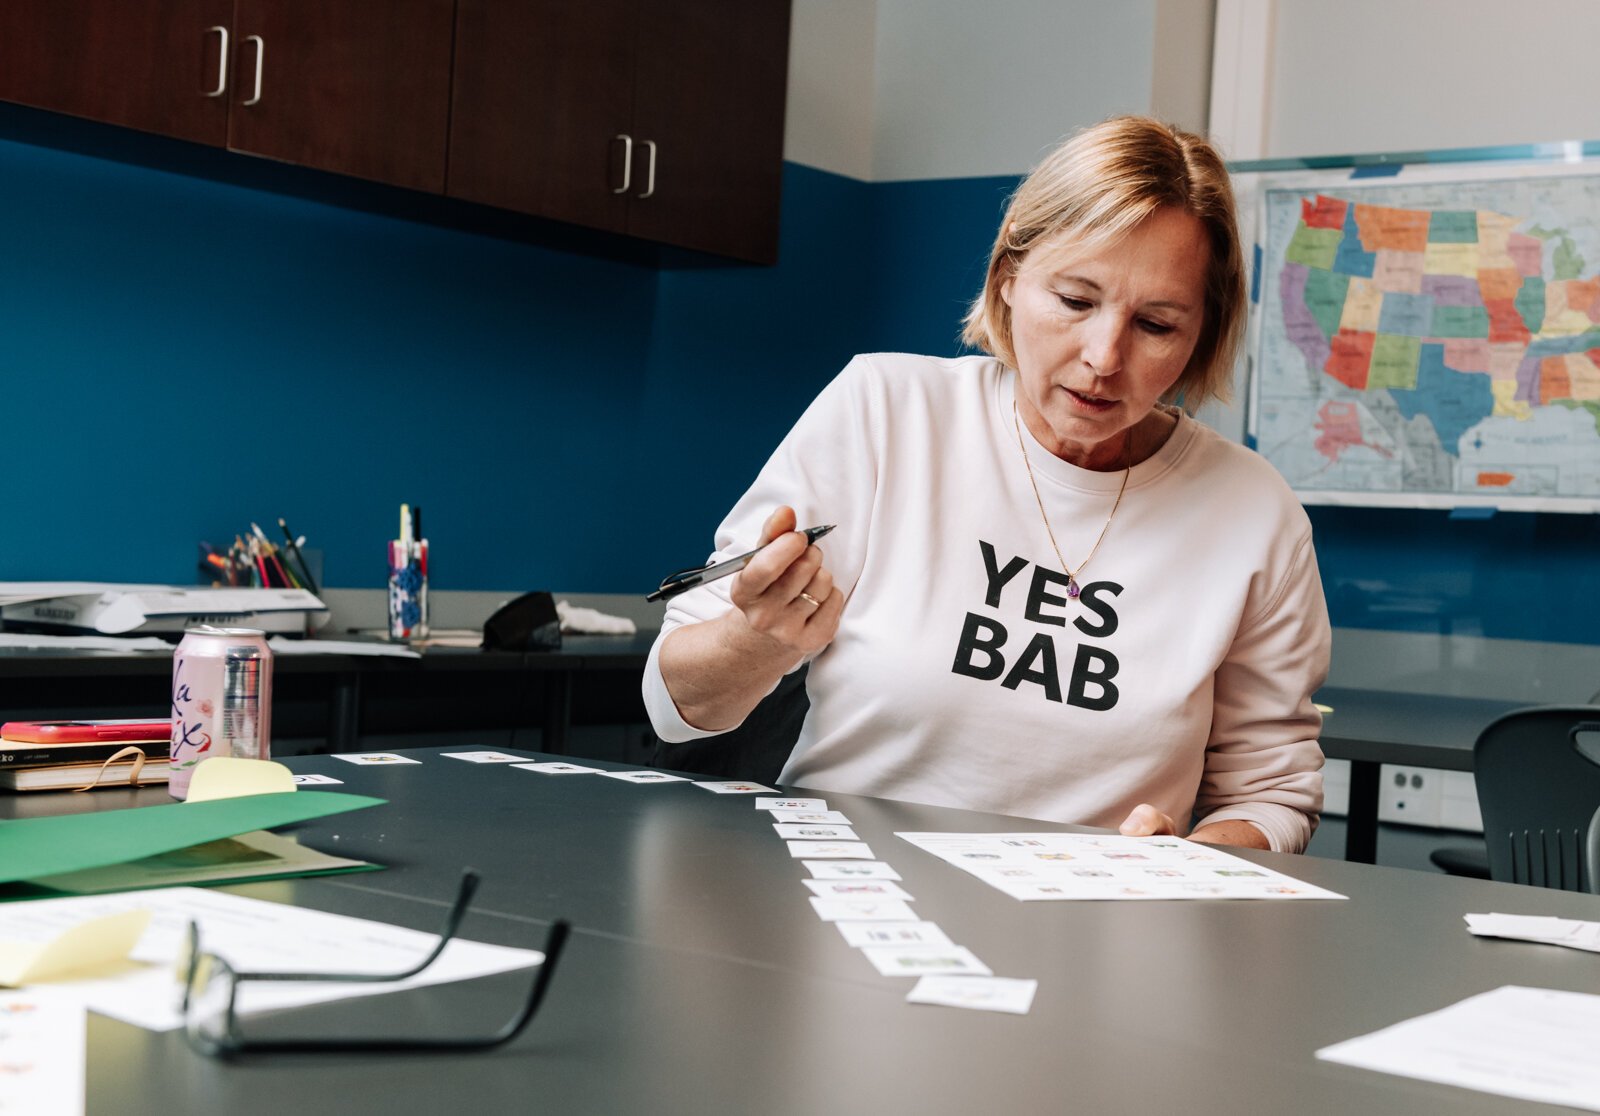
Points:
(221, 700)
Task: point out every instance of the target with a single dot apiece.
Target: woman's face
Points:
(1102, 333)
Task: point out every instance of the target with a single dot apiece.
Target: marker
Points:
(684, 580)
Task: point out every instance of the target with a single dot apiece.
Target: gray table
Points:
(698, 979)
(1374, 727)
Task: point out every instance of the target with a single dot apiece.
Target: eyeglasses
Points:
(211, 990)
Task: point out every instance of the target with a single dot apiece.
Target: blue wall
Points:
(191, 341)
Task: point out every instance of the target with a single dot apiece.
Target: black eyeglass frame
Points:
(232, 1042)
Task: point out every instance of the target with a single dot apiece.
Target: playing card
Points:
(373, 758)
(486, 757)
(734, 788)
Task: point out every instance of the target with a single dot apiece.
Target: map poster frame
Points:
(1424, 327)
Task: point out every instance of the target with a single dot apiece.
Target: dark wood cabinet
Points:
(157, 67)
(662, 120)
(348, 86)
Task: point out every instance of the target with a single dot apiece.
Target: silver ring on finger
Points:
(808, 597)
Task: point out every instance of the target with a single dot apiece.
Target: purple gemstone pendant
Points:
(1072, 587)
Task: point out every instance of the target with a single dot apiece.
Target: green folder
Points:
(34, 847)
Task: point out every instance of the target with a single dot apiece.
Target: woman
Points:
(1051, 593)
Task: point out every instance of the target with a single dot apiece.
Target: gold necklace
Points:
(1073, 589)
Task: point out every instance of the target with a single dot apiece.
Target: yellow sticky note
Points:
(231, 777)
(87, 946)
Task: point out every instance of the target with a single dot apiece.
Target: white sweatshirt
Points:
(962, 674)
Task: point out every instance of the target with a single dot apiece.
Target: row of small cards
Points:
(522, 763)
(862, 896)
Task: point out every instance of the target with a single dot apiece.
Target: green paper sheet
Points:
(34, 847)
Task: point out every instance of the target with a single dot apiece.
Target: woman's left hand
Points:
(1147, 821)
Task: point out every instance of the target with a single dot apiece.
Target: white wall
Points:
(893, 90)
(829, 114)
(1406, 75)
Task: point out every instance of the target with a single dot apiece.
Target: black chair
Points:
(1537, 772)
(757, 749)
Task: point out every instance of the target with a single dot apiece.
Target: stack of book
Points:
(67, 765)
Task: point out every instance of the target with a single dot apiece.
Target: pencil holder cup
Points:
(408, 589)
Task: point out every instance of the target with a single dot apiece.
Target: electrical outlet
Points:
(1410, 795)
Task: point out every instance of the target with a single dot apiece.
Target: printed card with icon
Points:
(486, 757)
(922, 960)
(311, 780)
(815, 832)
(831, 850)
(734, 788)
(857, 889)
(860, 934)
(373, 758)
(977, 993)
(862, 910)
(557, 768)
(791, 804)
(811, 817)
(644, 777)
(850, 870)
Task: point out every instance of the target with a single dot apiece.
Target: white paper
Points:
(831, 850)
(860, 934)
(810, 817)
(977, 993)
(42, 1052)
(317, 780)
(374, 759)
(862, 910)
(1570, 932)
(921, 960)
(558, 768)
(857, 889)
(791, 804)
(86, 643)
(850, 870)
(251, 935)
(644, 777)
(1531, 1043)
(284, 646)
(1041, 866)
(734, 788)
(485, 757)
(814, 832)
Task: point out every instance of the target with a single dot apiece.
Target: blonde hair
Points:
(1096, 187)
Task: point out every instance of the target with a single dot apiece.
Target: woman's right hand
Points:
(786, 594)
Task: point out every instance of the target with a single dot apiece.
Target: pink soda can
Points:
(221, 700)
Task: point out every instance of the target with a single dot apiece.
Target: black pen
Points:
(684, 580)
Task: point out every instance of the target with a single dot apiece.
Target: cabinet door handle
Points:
(650, 175)
(261, 53)
(222, 62)
(627, 162)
